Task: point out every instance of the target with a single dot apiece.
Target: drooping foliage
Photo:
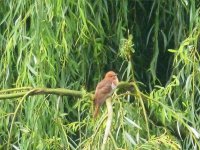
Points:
(153, 44)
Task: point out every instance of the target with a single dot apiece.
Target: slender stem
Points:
(13, 119)
(108, 123)
(138, 93)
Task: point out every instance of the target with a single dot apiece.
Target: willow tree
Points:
(153, 45)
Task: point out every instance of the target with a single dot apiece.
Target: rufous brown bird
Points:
(104, 89)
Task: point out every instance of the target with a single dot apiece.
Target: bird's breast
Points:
(113, 86)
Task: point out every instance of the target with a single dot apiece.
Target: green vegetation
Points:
(153, 45)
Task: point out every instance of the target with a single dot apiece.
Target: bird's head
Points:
(111, 75)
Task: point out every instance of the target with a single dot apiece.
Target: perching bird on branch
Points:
(104, 89)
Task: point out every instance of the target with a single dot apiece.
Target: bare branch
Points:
(20, 92)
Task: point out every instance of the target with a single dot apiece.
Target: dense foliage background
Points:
(72, 43)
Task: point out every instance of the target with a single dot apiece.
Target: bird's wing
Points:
(104, 87)
(103, 91)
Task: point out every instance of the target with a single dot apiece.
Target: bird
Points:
(104, 89)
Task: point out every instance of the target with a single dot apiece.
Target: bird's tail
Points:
(96, 111)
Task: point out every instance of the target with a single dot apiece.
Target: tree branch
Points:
(20, 92)
(39, 91)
